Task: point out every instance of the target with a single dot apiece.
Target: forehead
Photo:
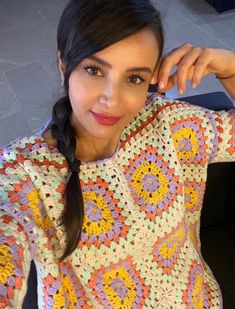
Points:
(138, 49)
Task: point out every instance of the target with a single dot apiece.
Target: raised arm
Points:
(193, 63)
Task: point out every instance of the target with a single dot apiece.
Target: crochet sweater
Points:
(140, 245)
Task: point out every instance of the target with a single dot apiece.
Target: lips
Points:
(105, 119)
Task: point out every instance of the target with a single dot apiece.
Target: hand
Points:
(193, 63)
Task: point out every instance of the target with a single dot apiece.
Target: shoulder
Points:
(166, 107)
(164, 116)
(166, 113)
(162, 108)
(18, 150)
(33, 150)
(158, 110)
(29, 167)
(13, 156)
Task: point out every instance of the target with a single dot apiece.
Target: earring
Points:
(62, 83)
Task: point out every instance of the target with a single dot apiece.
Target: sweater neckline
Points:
(94, 163)
(108, 160)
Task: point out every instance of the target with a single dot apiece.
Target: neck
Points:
(88, 151)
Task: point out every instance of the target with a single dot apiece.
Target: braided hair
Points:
(85, 28)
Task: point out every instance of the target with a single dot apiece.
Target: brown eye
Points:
(136, 80)
(92, 70)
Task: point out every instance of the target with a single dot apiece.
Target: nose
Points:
(110, 95)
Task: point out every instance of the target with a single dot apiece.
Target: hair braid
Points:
(63, 132)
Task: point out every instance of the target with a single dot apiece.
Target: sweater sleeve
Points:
(224, 136)
(201, 136)
(18, 234)
(14, 262)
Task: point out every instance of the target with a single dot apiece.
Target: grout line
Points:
(41, 14)
(11, 89)
(48, 75)
(8, 29)
(36, 8)
(12, 62)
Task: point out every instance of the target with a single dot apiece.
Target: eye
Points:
(136, 79)
(92, 70)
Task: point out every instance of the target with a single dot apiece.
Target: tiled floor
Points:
(29, 83)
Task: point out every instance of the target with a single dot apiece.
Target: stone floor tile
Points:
(21, 12)
(41, 38)
(35, 92)
(13, 127)
(193, 10)
(201, 14)
(181, 31)
(8, 102)
(14, 50)
(50, 9)
(5, 20)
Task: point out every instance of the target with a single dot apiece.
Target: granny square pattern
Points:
(140, 244)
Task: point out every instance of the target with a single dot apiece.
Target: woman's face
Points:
(112, 82)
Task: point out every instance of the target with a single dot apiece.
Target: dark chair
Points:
(217, 218)
(222, 5)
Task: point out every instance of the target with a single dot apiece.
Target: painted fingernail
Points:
(161, 84)
(181, 91)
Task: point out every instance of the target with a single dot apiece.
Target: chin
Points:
(102, 134)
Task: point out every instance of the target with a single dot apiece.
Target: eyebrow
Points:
(133, 69)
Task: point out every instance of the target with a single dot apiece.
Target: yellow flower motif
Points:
(193, 197)
(103, 225)
(113, 297)
(169, 246)
(137, 182)
(198, 294)
(34, 200)
(6, 265)
(189, 134)
(59, 298)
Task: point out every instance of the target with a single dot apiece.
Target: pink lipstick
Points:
(105, 119)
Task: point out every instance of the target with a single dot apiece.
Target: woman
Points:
(100, 199)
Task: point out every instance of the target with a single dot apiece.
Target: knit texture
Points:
(140, 245)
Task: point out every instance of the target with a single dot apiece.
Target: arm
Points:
(18, 235)
(14, 262)
(200, 135)
(193, 63)
(229, 85)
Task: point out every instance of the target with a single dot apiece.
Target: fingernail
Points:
(194, 85)
(161, 84)
(181, 91)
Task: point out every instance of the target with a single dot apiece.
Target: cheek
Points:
(77, 94)
(137, 103)
(81, 90)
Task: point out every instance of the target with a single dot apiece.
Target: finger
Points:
(168, 62)
(184, 68)
(172, 81)
(200, 69)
